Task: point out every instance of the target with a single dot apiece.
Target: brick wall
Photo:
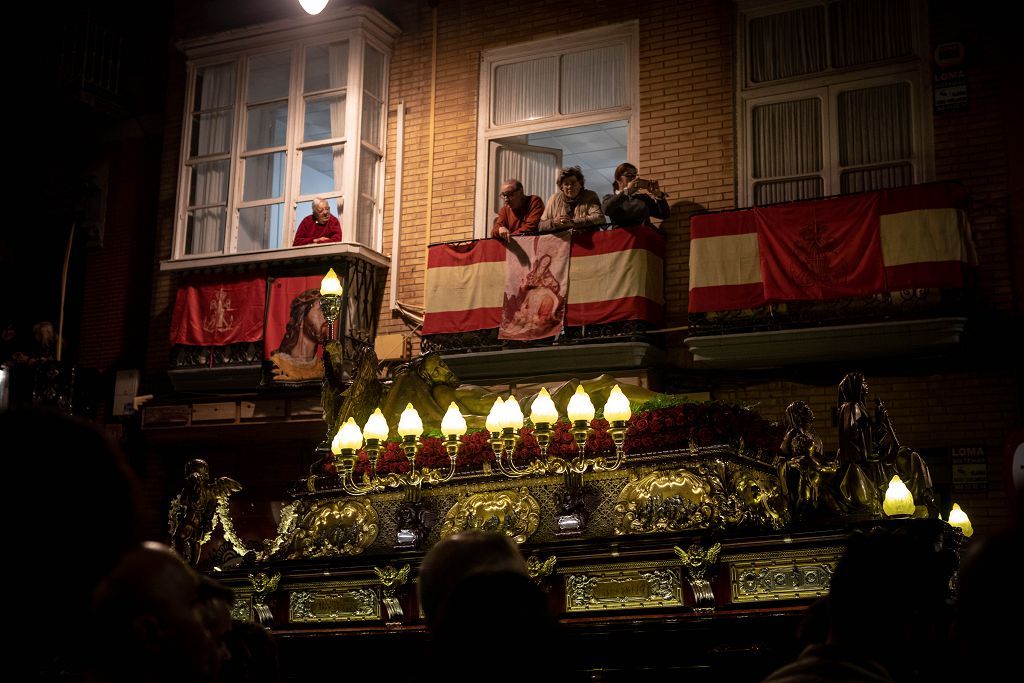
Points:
(686, 132)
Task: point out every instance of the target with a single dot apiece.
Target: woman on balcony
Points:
(636, 200)
(571, 206)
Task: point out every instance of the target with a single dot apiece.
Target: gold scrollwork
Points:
(781, 578)
(539, 569)
(344, 526)
(514, 513)
(326, 606)
(390, 580)
(664, 500)
(622, 589)
(712, 494)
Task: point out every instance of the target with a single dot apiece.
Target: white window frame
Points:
(360, 27)
(626, 33)
(826, 87)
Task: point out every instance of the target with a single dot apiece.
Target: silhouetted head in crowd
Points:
(156, 619)
(460, 556)
(477, 596)
(888, 598)
(986, 645)
(254, 657)
(81, 511)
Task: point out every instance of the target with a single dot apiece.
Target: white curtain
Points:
(535, 167)
(216, 86)
(786, 44)
(593, 80)
(866, 31)
(525, 90)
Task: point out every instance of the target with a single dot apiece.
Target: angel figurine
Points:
(193, 513)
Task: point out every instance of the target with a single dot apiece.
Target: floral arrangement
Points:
(655, 427)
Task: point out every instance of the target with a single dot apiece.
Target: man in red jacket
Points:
(520, 212)
(320, 226)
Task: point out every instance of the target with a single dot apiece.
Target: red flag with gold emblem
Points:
(216, 310)
(817, 250)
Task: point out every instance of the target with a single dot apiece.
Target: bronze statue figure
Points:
(193, 512)
(806, 470)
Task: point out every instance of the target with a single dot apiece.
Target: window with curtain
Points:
(270, 129)
(569, 101)
(832, 99)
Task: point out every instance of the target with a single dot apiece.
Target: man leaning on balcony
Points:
(520, 212)
(320, 226)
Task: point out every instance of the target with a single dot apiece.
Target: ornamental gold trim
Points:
(333, 605)
(785, 576)
(345, 526)
(622, 589)
(513, 513)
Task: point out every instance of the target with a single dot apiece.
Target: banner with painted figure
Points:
(536, 287)
(217, 310)
(295, 329)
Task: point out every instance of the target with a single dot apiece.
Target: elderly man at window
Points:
(520, 212)
(320, 226)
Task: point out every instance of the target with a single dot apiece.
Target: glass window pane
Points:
(266, 126)
(866, 31)
(259, 227)
(215, 87)
(525, 90)
(788, 190)
(373, 112)
(875, 125)
(325, 119)
(326, 67)
(593, 79)
(209, 184)
(878, 178)
(321, 170)
(204, 232)
(264, 177)
(786, 138)
(268, 77)
(365, 222)
(368, 174)
(787, 44)
(211, 133)
(373, 72)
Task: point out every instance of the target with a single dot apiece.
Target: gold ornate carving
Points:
(241, 608)
(345, 526)
(622, 589)
(793, 576)
(514, 513)
(709, 494)
(390, 580)
(538, 569)
(263, 585)
(696, 562)
(326, 606)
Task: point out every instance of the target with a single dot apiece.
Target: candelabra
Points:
(350, 440)
(506, 418)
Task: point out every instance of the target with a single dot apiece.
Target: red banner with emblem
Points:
(216, 310)
(857, 245)
(812, 251)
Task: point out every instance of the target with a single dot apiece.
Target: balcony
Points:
(876, 274)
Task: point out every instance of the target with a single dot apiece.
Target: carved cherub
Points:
(194, 510)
